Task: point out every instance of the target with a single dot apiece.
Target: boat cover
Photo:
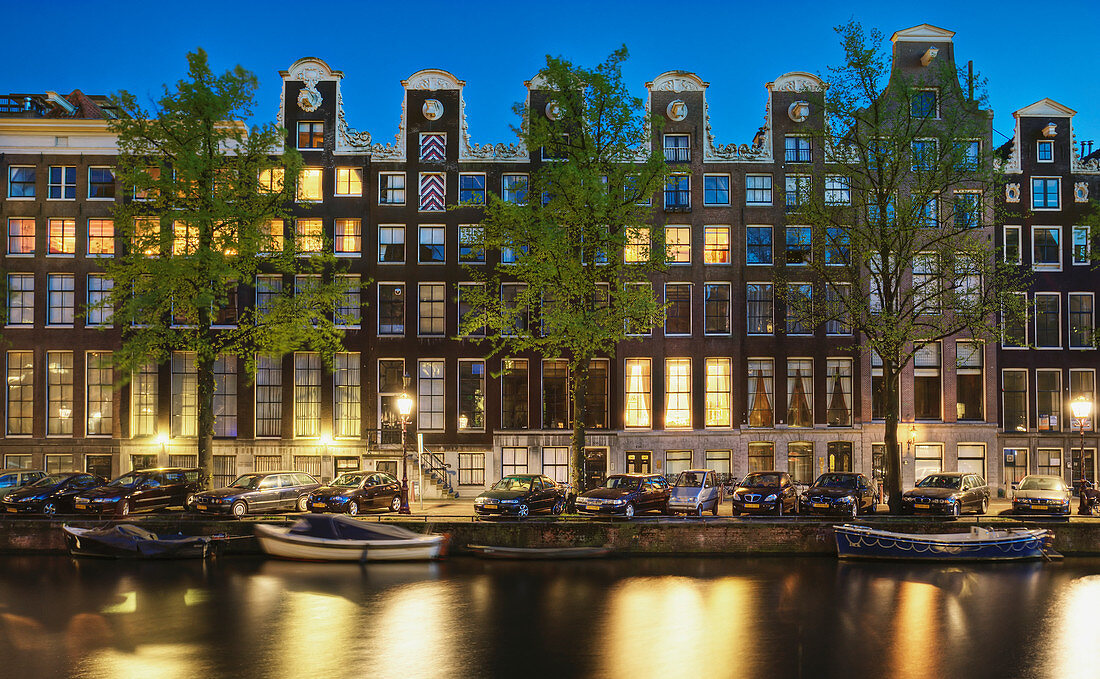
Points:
(338, 527)
(129, 540)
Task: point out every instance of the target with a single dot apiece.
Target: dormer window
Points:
(677, 148)
(924, 104)
(797, 149)
(1044, 151)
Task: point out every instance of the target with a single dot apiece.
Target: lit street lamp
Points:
(1081, 408)
(404, 409)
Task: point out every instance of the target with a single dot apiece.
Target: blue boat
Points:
(980, 544)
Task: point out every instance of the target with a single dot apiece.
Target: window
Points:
(309, 184)
(184, 394)
(599, 382)
(677, 148)
(391, 244)
(838, 382)
(638, 394)
(513, 188)
(716, 308)
(677, 393)
(1014, 399)
(1080, 245)
(1044, 151)
(271, 237)
(1048, 399)
(678, 314)
(716, 189)
(836, 246)
(59, 393)
(101, 183)
(1014, 321)
(310, 235)
(928, 459)
(471, 394)
(1082, 323)
(969, 384)
(971, 155)
(1013, 245)
(923, 104)
(471, 469)
(20, 236)
(758, 189)
(307, 394)
(759, 305)
(800, 392)
(513, 391)
(391, 188)
(432, 245)
(761, 456)
(678, 192)
(676, 461)
(61, 300)
(716, 245)
(268, 289)
(20, 393)
(925, 155)
(391, 309)
(391, 384)
(799, 310)
(797, 191)
(718, 402)
(555, 394)
(269, 395)
(471, 188)
(271, 180)
(466, 309)
(348, 236)
(1082, 384)
(513, 460)
(510, 294)
(760, 390)
(1046, 248)
(758, 245)
(346, 393)
(971, 457)
(838, 190)
(508, 255)
(930, 212)
(1048, 461)
(311, 135)
(800, 461)
(926, 383)
(433, 192)
(799, 250)
(62, 182)
(62, 236)
(225, 396)
(927, 279)
(143, 401)
(349, 308)
(678, 244)
(20, 299)
(637, 245)
(796, 149)
(968, 209)
(101, 237)
(471, 244)
(349, 181)
(431, 309)
(1048, 320)
(58, 463)
(98, 310)
(1045, 192)
(836, 307)
(555, 463)
(21, 182)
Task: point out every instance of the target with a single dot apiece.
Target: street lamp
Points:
(404, 409)
(1081, 408)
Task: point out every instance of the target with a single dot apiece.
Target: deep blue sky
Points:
(1025, 49)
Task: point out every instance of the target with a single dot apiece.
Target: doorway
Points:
(595, 467)
(840, 456)
(100, 465)
(639, 462)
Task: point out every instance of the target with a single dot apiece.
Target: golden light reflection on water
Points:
(315, 630)
(916, 628)
(163, 661)
(412, 633)
(1070, 634)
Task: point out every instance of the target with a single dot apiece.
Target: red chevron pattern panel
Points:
(433, 187)
(433, 146)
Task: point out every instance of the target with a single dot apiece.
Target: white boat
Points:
(980, 544)
(333, 537)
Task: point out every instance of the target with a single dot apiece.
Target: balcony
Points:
(677, 200)
(677, 154)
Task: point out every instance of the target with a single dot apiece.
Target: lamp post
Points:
(404, 409)
(1081, 408)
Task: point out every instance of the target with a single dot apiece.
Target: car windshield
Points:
(836, 481)
(761, 480)
(513, 483)
(348, 480)
(621, 482)
(246, 481)
(940, 481)
(690, 480)
(50, 480)
(1040, 483)
(126, 481)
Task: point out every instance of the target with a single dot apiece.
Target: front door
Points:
(595, 467)
(840, 456)
(638, 462)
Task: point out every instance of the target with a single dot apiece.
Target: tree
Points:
(904, 222)
(576, 239)
(205, 217)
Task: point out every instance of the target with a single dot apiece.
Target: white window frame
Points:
(405, 189)
(19, 167)
(1073, 231)
(1046, 266)
(432, 229)
(1069, 319)
(729, 192)
(1031, 194)
(1039, 145)
(404, 243)
(1019, 230)
(63, 185)
(336, 179)
(1035, 321)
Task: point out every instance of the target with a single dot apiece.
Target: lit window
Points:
(800, 392)
(59, 393)
(20, 236)
(759, 393)
(719, 400)
(678, 244)
(99, 381)
(637, 245)
(471, 394)
(927, 390)
(347, 236)
(20, 394)
(838, 382)
(309, 184)
(346, 383)
(311, 135)
(62, 236)
(101, 237)
(677, 393)
(307, 394)
(638, 394)
(716, 245)
(309, 234)
(349, 181)
(185, 239)
(271, 180)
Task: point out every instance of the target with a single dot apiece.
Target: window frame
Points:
(385, 190)
(33, 183)
(63, 185)
(432, 230)
(769, 189)
(1046, 207)
(351, 171)
(1019, 231)
(315, 133)
(93, 185)
(717, 230)
(1074, 230)
(392, 229)
(1044, 265)
(1040, 144)
(716, 176)
(1057, 321)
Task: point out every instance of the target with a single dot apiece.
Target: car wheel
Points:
(985, 506)
(714, 509)
(303, 503)
(353, 507)
(628, 512)
(955, 509)
(523, 511)
(239, 508)
(558, 507)
(50, 508)
(395, 504)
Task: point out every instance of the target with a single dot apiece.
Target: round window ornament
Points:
(799, 111)
(677, 110)
(432, 109)
(553, 110)
(309, 99)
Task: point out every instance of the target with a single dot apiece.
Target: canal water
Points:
(632, 618)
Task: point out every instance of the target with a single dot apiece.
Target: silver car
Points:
(695, 491)
(1041, 493)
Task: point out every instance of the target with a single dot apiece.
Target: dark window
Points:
(391, 309)
(514, 402)
(758, 245)
(716, 189)
(969, 387)
(923, 104)
(311, 135)
(926, 383)
(1047, 320)
(1046, 151)
(596, 415)
(21, 182)
(716, 299)
(797, 150)
(677, 148)
(836, 246)
(62, 182)
(555, 394)
(1044, 193)
(471, 189)
(798, 245)
(678, 192)
(678, 316)
(101, 182)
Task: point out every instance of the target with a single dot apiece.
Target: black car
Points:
(352, 492)
(949, 493)
(522, 495)
(845, 493)
(627, 494)
(259, 492)
(51, 494)
(765, 492)
(140, 491)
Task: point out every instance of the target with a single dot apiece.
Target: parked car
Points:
(1041, 493)
(259, 492)
(522, 495)
(352, 492)
(51, 494)
(695, 491)
(141, 491)
(11, 479)
(947, 493)
(845, 493)
(765, 492)
(627, 494)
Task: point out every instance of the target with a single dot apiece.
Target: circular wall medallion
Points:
(799, 111)
(677, 110)
(433, 109)
(309, 99)
(553, 111)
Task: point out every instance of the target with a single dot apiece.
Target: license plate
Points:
(318, 505)
(752, 505)
(80, 506)
(490, 506)
(1038, 505)
(592, 508)
(202, 508)
(12, 509)
(821, 505)
(922, 506)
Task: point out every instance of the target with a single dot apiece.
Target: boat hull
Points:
(277, 541)
(861, 542)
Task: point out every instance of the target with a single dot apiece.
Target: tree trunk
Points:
(204, 365)
(579, 395)
(891, 459)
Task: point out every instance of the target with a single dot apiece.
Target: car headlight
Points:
(736, 497)
(479, 500)
(770, 498)
(619, 501)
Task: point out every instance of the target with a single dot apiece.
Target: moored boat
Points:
(538, 553)
(127, 541)
(980, 544)
(329, 537)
